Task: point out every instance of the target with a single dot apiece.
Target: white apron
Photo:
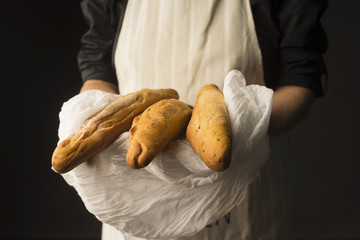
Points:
(185, 44)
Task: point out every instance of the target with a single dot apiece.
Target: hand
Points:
(291, 105)
(92, 84)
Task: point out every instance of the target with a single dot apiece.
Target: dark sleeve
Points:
(95, 58)
(302, 42)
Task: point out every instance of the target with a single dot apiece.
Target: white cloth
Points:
(176, 194)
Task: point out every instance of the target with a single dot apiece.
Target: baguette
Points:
(154, 129)
(103, 128)
(209, 130)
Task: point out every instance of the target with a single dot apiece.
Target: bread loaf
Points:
(209, 130)
(103, 128)
(154, 129)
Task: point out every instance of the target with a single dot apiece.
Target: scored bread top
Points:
(104, 127)
(209, 130)
(154, 129)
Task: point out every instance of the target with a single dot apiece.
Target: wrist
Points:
(291, 105)
(95, 84)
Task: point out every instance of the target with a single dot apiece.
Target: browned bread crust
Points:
(209, 130)
(103, 128)
(154, 129)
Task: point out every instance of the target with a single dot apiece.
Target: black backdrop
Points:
(40, 40)
(39, 43)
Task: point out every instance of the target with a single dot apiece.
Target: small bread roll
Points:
(154, 129)
(209, 130)
(103, 128)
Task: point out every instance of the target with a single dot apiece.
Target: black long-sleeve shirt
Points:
(291, 39)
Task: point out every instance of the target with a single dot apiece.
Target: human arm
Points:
(105, 86)
(95, 59)
(302, 42)
(291, 105)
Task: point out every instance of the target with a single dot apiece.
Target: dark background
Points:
(39, 44)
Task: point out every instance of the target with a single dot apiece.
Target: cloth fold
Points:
(176, 195)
